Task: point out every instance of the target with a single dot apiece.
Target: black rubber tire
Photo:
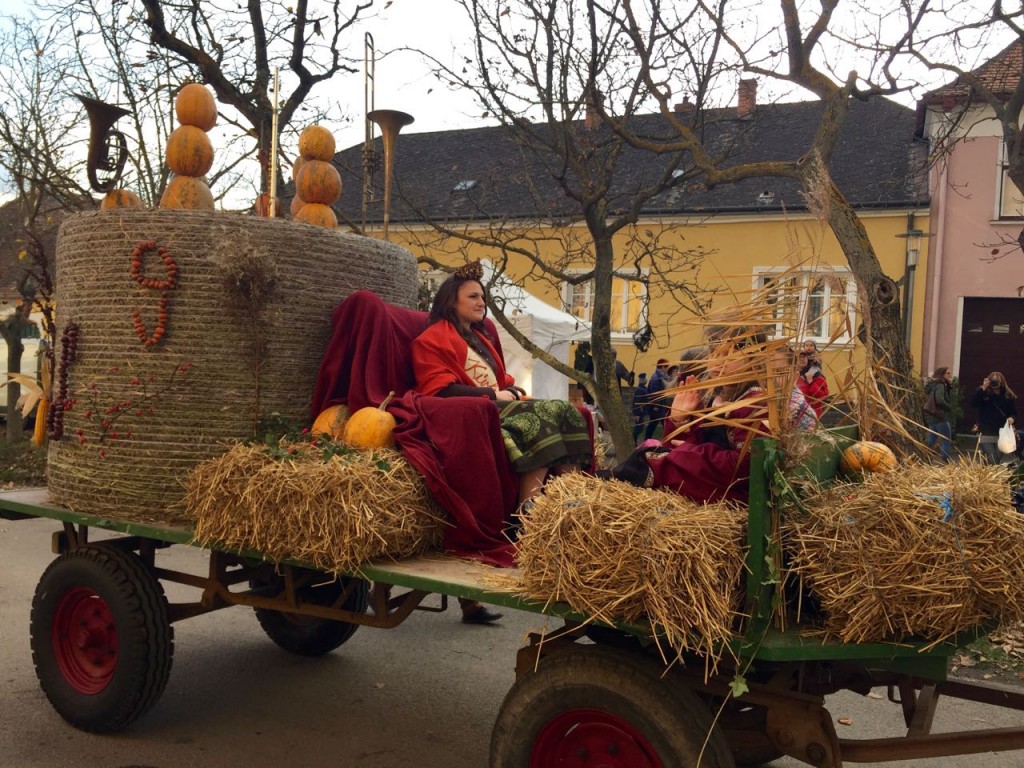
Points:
(138, 618)
(673, 722)
(308, 636)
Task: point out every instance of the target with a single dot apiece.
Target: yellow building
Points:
(688, 245)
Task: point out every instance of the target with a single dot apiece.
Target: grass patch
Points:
(21, 464)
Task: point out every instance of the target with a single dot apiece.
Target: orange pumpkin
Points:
(196, 106)
(331, 421)
(120, 198)
(317, 213)
(296, 204)
(371, 427)
(187, 192)
(262, 206)
(867, 456)
(297, 166)
(316, 143)
(189, 151)
(318, 182)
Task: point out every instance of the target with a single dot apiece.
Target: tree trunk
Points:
(607, 393)
(11, 332)
(883, 326)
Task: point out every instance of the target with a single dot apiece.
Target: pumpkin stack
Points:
(317, 181)
(120, 198)
(189, 151)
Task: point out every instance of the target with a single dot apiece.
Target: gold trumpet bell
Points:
(391, 121)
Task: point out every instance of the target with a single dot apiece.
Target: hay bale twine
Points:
(247, 322)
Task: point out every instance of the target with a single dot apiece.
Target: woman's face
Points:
(470, 306)
(995, 380)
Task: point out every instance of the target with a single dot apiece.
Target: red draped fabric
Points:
(454, 443)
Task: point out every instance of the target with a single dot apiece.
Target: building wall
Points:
(965, 232)
(736, 246)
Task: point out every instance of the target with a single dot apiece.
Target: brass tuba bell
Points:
(391, 121)
(108, 149)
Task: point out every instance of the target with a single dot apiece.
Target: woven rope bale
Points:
(335, 514)
(251, 313)
(618, 553)
(923, 553)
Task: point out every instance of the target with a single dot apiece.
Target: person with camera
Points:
(996, 404)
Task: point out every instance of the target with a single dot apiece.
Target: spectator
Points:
(656, 410)
(937, 405)
(622, 373)
(996, 404)
(811, 350)
(812, 381)
(640, 407)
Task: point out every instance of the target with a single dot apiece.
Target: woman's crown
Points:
(474, 270)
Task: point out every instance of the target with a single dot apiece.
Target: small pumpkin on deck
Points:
(867, 456)
(371, 427)
(331, 421)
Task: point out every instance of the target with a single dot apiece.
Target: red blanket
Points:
(454, 443)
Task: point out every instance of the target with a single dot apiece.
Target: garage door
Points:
(991, 339)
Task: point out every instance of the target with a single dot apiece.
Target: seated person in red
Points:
(709, 430)
(454, 357)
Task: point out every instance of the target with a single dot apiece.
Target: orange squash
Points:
(196, 106)
(262, 206)
(318, 182)
(317, 213)
(120, 198)
(316, 143)
(187, 192)
(331, 421)
(297, 166)
(189, 151)
(296, 204)
(371, 427)
(867, 456)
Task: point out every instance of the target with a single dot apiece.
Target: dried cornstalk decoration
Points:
(923, 553)
(615, 553)
(334, 514)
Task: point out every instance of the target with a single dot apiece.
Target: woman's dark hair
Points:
(940, 372)
(446, 298)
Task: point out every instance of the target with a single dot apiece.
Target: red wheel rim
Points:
(85, 640)
(589, 738)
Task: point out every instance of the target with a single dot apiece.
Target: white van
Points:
(30, 359)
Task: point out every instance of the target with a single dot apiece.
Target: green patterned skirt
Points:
(544, 433)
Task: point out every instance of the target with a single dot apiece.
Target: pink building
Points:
(974, 313)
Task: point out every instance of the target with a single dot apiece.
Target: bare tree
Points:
(543, 67)
(38, 159)
(236, 49)
(794, 46)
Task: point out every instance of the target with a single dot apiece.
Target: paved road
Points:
(423, 695)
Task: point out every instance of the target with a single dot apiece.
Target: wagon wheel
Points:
(308, 635)
(599, 706)
(101, 640)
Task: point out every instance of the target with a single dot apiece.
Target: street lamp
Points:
(914, 237)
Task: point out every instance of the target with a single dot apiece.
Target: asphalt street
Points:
(424, 694)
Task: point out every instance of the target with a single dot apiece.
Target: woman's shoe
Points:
(480, 615)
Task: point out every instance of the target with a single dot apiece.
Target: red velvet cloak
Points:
(454, 443)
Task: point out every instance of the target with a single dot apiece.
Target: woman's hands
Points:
(504, 396)
(685, 403)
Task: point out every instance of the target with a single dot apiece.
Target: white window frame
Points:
(803, 277)
(621, 330)
(1009, 200)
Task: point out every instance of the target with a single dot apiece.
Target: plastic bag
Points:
(1007, 442)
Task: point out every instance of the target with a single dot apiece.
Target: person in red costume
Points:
(455, 357)
(812, 381)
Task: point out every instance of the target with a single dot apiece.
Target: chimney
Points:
(747, 98)
(684, 106)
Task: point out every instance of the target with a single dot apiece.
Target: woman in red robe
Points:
(455, 357)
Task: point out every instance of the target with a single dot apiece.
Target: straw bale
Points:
(335, 514)
(923, 553)
(616, 553)
(248, 322)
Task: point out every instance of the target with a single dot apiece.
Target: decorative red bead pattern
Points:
(164, 286)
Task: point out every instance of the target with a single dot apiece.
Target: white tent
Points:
(549, 328)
